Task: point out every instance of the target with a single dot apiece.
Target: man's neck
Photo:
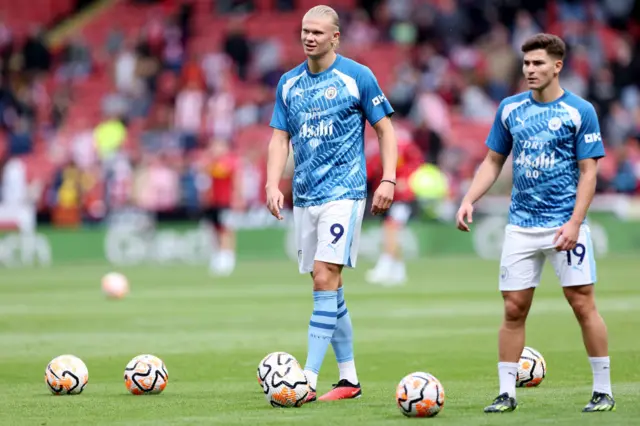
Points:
(549, 94)
(322, 63)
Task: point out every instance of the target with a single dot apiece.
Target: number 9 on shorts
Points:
(328, 232)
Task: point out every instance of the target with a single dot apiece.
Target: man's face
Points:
(540, 69)
(317, 36)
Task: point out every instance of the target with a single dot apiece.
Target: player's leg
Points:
(339, 229)
(342, 341)
(212, 216)
(226, 261)
(390, 268)
(306, 235)
(520, 270)
(324, 318)
(576, 270)
(594, 334)
(381, 271)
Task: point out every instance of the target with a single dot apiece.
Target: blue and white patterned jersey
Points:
(547, 141)
(325, 114)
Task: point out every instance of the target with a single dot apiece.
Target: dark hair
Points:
(552, 44)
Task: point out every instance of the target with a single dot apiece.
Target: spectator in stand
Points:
(20, 138)
(233, 6)
(236, 45)
(157, 185)
(35, 53)
(6, 47)
(189, 112)
(76, 60)
(109, 136)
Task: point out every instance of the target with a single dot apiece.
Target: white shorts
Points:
(525, 250)
(329, 233)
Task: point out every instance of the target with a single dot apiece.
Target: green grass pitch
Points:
(212, 333)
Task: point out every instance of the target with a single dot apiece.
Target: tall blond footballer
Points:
(321, 110)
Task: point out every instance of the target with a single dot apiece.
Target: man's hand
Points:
(567, 236)
(464, 212)
(275, 201)
(382, 198)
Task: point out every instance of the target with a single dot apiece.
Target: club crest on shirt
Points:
(331, 92)
(555, 123)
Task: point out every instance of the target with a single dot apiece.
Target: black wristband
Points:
(387, 180)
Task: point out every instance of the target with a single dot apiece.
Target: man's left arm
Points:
(378, 110)
(388, 148)
(586, 189)
(589, 148)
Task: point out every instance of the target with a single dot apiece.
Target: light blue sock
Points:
(321, 328)
(342, 340)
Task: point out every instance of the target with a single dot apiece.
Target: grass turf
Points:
(211, 333)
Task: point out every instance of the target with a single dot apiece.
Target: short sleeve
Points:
(500, 139)
(372, 101)
(279, 116)
(588, 139)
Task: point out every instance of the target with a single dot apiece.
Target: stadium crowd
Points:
(167, 138)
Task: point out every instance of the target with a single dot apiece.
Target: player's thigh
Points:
(306, 236)
(339, 227)
(578, 266)
(522, 260)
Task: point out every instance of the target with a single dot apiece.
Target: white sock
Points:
(348, 371)
(384, 262)
(223, 262)
(507, 373)
(228, 259)
(312, 378)
(601, 374)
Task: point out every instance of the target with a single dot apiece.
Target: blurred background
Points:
(116, 113)
(123, 122)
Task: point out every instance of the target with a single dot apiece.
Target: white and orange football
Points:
(420, 394)
(66, 375)
(145, 374)
(115, 285)
(532, 368)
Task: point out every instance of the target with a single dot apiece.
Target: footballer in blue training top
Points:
(322, 107)
(325, 114)
(555, 142)
(546, 140)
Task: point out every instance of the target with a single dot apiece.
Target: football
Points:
(272, 360)
(532, 368)
(66, 375)
(145, 374)
(420, 395)
(282, 380)
(115, 285)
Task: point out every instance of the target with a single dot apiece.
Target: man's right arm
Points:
(485, 177)
(277, 157)
(499, 143)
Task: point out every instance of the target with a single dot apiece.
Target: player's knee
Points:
(326, 277)
(582, 301)
(515, 309)
(583, 307)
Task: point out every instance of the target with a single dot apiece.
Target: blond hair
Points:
(322, 11)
